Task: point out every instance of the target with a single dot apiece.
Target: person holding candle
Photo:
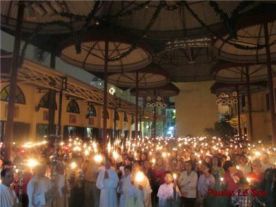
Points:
(141, 181)
(217, 170)
(257, 172)
(158, 174)
(167, 192)
(125, 186)
(243, 164)
(107, 182)
(188, 182)
(40, 189)
(205, 182)
(91, 192)
(61, 184)
(7, 195)
(231, 176)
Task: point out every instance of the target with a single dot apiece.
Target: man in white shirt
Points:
(107, 182)
(7, 195)
(188, 183)
(39, 189)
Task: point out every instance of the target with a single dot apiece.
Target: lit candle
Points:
(73, 165)
(174, 176)
(139, 177)
(98, 158)
(32, 163)
(115, 155)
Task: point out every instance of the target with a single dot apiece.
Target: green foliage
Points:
(222, 129)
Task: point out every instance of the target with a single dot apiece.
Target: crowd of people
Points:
(180, 172)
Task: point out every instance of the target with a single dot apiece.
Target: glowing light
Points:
(29, 145)
(32, 163)
(139, 177)
(73, 165)
(115, 155)
(257, 154)
(98, 158)
(86, 152)
(174, 176)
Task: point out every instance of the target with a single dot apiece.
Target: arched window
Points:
(125, 117)
(19, 95)
(44, 101)
(116, 116)
(91, 111)
(73, 107)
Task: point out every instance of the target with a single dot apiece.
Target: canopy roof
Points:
(164, 91)
(219, 87)
(180, 34)
(227, 72)
(122, 55)
(150, 77)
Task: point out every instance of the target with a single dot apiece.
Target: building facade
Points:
(81, 105)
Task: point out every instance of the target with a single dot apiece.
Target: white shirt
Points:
(204, 183)
(7, 196)
(165, 191)
(107, 186)
(188, 183)
(37, 189)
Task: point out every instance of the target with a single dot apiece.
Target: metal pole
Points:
(249, 100)
(105, 95)
(140, 121)
(270, 84)
(63, 87)
(115, 124)
(154, 116)
(154, 121)
(137, 107)
(239, 112)
(52, 101)
(8, 138)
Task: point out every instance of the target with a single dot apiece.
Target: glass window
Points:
(44, 101)
(19, 95)
(91, 111)
(73, 107)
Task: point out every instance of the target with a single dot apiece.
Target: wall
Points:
(29, 114)
(196, 108)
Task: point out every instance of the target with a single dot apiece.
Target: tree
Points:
(221, 129)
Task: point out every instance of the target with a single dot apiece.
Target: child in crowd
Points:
(168, 192)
